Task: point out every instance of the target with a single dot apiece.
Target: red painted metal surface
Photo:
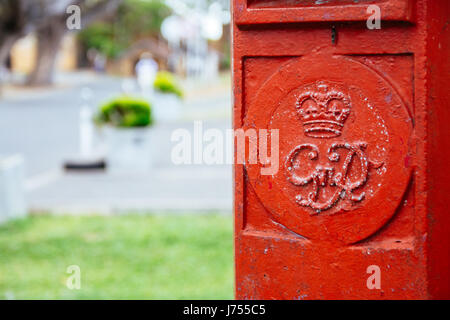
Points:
(363, 120)
(276, 11)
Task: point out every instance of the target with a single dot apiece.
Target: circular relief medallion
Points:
(343, 148)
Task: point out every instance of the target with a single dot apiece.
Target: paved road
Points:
(42, 125)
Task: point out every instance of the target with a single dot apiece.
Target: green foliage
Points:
(101, 36)
(165, 82)
(120, 257)
(225, 63)
(142, 17)
(134, 19)
(125, 112)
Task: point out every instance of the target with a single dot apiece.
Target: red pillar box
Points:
(354, 203)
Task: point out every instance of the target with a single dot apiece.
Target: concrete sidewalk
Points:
(174, 189)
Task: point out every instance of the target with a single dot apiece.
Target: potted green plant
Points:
(126, 122)
(168, 95)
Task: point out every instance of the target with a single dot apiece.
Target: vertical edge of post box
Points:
(438, 148)
(238, 175)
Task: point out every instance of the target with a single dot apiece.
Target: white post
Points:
(86, 133)
(12, 195)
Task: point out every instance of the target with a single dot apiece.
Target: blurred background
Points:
(91, 93)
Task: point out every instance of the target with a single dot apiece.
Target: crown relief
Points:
(323, 108)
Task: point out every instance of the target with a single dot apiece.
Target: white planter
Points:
(128, 149)
(12, 195)
(166, 107)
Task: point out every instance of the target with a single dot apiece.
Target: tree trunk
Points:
(6, 43)
(50, 35)
(49, 39)
(5, 47)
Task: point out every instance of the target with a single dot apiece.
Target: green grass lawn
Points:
(120, 257)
